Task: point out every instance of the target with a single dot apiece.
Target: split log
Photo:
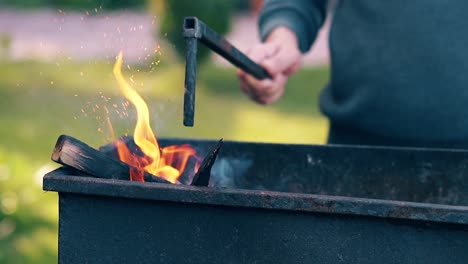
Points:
(74, 153)
(203, 175)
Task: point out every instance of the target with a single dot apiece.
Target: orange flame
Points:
(168, 163)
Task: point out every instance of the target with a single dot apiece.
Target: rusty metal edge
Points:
(327, 146)
(59, 182)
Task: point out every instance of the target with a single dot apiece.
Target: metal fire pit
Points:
(276, 203)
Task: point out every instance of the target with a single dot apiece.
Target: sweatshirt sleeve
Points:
(304, 17)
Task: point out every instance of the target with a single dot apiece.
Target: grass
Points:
(39, 101)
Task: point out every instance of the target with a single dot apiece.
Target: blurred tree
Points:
(25, 3)
(118, 4)
(242, 5)
(76, 4)
(171, 13)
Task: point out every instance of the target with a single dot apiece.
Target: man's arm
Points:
(303, 17)
(287, 28)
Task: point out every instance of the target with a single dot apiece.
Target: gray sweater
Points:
(399, 68)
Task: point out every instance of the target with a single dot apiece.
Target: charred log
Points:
(74, 153)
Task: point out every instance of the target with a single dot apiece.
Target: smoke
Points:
(230, 172)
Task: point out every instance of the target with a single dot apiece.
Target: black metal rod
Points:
(190, 80)
(195, 29)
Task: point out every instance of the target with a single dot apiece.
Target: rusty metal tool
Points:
(196, 30)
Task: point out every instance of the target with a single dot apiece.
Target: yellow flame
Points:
(143, 134)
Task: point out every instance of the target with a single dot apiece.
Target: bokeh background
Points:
(56, 59)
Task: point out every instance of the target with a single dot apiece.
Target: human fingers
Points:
(294, 68)
(285, 60)
(260, 52)
(254, 87)
(266, 91)
(257, 54)
(277, 91)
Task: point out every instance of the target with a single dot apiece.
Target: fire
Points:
(168, 163)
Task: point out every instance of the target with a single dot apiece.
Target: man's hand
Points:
(280, 56)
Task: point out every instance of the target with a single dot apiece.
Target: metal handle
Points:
(195, 28)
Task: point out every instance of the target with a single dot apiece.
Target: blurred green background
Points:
(41, 99)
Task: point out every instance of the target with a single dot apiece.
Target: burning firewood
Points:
(139, 163)
(74, 153)
(202, 175)
(77, 155)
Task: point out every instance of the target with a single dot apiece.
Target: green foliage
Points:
(5, 45)
(76, 4)
(216, 14)
(28, 224)
(241, 5)
(25, 3)
(5, 41)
